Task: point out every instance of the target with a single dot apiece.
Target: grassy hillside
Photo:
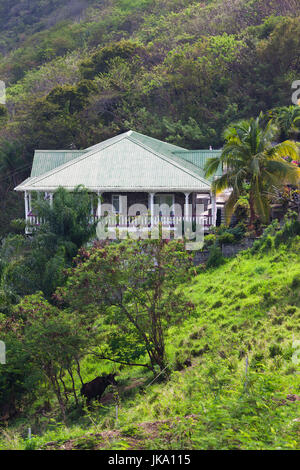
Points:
(247, 308)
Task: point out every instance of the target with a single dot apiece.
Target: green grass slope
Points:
(247, 310)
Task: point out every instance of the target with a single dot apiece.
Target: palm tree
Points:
(250, 156)
(288, 120)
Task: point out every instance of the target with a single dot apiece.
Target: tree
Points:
(3, 114)
(47, 343)
(288, 120)
(250, 156)
(100, 60)
(129, 290)
(19, 380)
(67, 222)
(38, 263)
(11, 162)
(71, 99)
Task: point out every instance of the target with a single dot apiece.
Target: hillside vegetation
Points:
(80, 72)
(204, 357)
(247, 312)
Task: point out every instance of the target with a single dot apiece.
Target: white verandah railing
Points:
(139, 222)
(148, 221)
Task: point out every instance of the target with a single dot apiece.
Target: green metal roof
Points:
(166, 149)
(47, 160)
(128, 162)
(200, 157)
(159, 146)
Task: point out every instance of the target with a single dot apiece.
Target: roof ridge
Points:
(167, 144)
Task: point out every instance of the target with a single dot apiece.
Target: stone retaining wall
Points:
(228, 251)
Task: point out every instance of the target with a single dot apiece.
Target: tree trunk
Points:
(73, 386)
(252, 212)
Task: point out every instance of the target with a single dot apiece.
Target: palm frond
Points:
(283, 172)
(211, 166)
(287, 149)
(230, 206)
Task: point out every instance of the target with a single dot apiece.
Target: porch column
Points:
(92, 205)
(99, 205)
(213, 209)
(151, 207)
(26, 205)
(29, 202)
(51, 199)
(186, 205)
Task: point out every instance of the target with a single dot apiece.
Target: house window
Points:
(116, 203)
(166, 204)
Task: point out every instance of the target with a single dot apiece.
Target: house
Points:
(133, 167)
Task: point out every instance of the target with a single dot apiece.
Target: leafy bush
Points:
(209, 240)
(215, 258)
(290, 230)
(267, 244)
(275, 350)
(226, 238)
(18, 225)
(273, 236)
(99, 62)
(228, 235)
(131, 430)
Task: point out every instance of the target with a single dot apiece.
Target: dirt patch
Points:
(148, 430)
(289, 399)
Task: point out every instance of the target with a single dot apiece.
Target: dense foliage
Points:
(117, 304)
(133, 286)
(246, 312)
(202, 362)
(250, 158)
(177, 70)
(37, 263)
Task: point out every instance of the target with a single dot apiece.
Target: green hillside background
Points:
(79, 72)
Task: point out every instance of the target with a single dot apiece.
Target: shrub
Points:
(131, 430)
(99, 61)
(290, 230)
(257, 361)
(217, 304)
(87, 443)
(226, 238)
(18, 225)
(209, 240)
(295, 282)
(238, 231)
(268, 244)
(215, 258)
(182, 360)
(275, 350)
